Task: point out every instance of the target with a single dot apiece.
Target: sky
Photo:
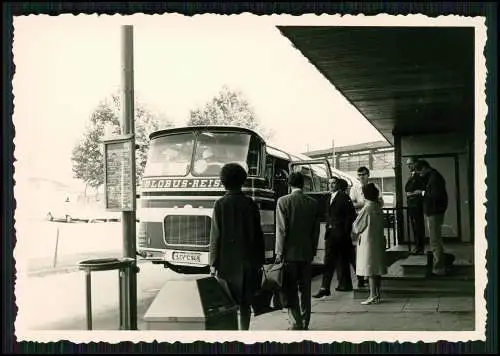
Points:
(66, 65)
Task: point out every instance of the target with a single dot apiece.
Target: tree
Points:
(228, 107)
(87, 155)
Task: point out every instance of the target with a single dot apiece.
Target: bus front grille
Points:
(190, 230)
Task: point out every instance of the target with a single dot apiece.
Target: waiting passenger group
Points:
(354, 236)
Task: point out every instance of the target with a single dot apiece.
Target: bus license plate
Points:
(186, 257)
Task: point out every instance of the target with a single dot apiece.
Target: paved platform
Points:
(338, 312)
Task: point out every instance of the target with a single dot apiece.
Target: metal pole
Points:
(333, 153)
(128, 217)
(88, 293)
(120, 297)
(54, 264)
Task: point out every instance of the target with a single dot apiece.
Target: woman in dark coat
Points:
(236, 241)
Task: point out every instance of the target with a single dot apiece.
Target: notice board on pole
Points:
(119, 180)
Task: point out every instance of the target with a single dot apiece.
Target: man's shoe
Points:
(295, 327)
(343, 289)
(448, 259)
(322, 293)
(418, 251)
(439, 273)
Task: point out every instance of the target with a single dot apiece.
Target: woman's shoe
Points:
(371, 300)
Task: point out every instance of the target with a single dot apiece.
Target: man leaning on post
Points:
(297, 231)
(435, 203)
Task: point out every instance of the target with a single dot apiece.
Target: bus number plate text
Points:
(186, 257)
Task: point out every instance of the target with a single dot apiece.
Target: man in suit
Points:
(414, 184)
(297, 230)
(340, 216)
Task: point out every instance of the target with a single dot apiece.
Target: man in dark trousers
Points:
(414, 184)
(297, 231)
(338, 244)
(435, 203)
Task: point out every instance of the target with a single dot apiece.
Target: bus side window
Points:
(280, 177)
(308, 179)
(320, 175)
(254, 157)
(269, 174)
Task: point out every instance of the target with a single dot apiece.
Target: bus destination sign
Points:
(197, 183)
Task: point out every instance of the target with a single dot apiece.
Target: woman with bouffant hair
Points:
(370, 257)
(237, 241)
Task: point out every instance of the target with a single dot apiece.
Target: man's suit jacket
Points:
(297, 227)
(340, 217)
(414, 182)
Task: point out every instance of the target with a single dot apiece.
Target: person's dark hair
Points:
(363, 169)
(232, 176)
(421, 163)
(370, 192)
(342, 184)
(296, 180)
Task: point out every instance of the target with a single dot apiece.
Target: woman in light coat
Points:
(370, 257)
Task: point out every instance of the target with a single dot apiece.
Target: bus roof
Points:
(277, 152)
(181, 129)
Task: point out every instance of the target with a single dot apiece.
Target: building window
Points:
(353, 162)
(343, 163)
(383, 160)
(389, 184)
(378, 183)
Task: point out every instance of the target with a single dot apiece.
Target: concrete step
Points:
(388, 292)
(403, 278)
(398, 286)
(416, 265)
(392, 256)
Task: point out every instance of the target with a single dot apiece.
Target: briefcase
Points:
(272, 277)
(262, 303)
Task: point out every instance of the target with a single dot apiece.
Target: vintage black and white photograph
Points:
(250, 178)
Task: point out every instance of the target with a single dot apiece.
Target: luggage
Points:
(192, 304)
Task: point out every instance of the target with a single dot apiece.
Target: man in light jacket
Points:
(435, 203)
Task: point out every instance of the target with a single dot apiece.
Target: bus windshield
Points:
(214, 149)
(170, 155)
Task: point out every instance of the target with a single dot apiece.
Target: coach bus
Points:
(181, 184)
